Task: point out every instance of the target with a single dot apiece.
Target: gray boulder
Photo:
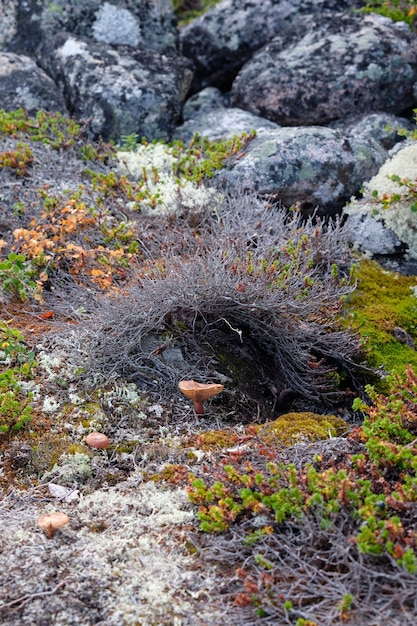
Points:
(8, 22)
(341, 64)
(203, 101)
(314, 167)
(208, 116)
(25, 85)
(120, 90)
(132, 23)
(383, 127)
(225, 37)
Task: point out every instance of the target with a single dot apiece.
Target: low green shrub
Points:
(16, 363)
(397, 10)
(321, 523)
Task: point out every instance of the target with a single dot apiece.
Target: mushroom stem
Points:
(198, 407)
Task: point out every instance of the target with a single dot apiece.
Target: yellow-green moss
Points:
(294, 428)
(383, 301)
(46, 453)
(188, 10)
(213, 440)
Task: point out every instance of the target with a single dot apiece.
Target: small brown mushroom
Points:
(198, 392)
(97, 440)
(50, 522)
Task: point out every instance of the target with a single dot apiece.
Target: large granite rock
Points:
(341, 64)
(385, 128)
(225, 37)
(131, 22)
(25, 85)
(205, 113)
(314, 167)
(122, 91)
(116, 64)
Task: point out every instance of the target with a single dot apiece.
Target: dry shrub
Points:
(261, 288)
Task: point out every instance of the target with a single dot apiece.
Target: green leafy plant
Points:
(397, 10)
(129, 142)
(202, 157)
(18, 361)
(17, 276)
(15, 410)
(17, 159)
(278, 511)
(186, 10)
(13, 346)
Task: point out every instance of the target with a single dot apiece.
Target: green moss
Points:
(397, 10)
(214, 440)
(187, 10)
(47, 452)
(295, 427)
(382, 302)
(78, 448)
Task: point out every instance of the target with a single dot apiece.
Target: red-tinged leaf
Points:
(47, 315)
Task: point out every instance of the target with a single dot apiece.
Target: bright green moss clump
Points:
(397, 10)
(187, 10)
(298, 427)
(383, 305)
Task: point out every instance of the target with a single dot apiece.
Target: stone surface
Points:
(123, 91)
(203, 101)
(207, 115)
(380, 230)
(8, 22)
(341, 64)
(117, 65)
(225, 37)
(25, 85)
(313, 166)
(133, 22)
(382, 127)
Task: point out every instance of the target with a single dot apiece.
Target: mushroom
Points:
(198, 392)
(50, 522)
(97, 440)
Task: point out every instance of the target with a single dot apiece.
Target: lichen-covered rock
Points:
(382, 127)
(122, 91)
(25, 85)
(311, 166)
(8, 22)
(203, 101)
(381, 230)
(225, 37)
(341, 64)
(206, 114)
(131, 23)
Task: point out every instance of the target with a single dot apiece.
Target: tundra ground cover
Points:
(307, 520)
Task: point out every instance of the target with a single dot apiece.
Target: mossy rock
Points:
(383, 310)
(294, 428)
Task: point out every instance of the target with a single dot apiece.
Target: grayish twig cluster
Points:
(261, 281)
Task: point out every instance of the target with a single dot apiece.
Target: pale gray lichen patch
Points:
(116, 25)
(155, 162)
(397, 218)
(121, 560)
(71, 469)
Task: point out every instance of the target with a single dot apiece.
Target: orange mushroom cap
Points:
(97, 440)
(198, 392)
(50, 522)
